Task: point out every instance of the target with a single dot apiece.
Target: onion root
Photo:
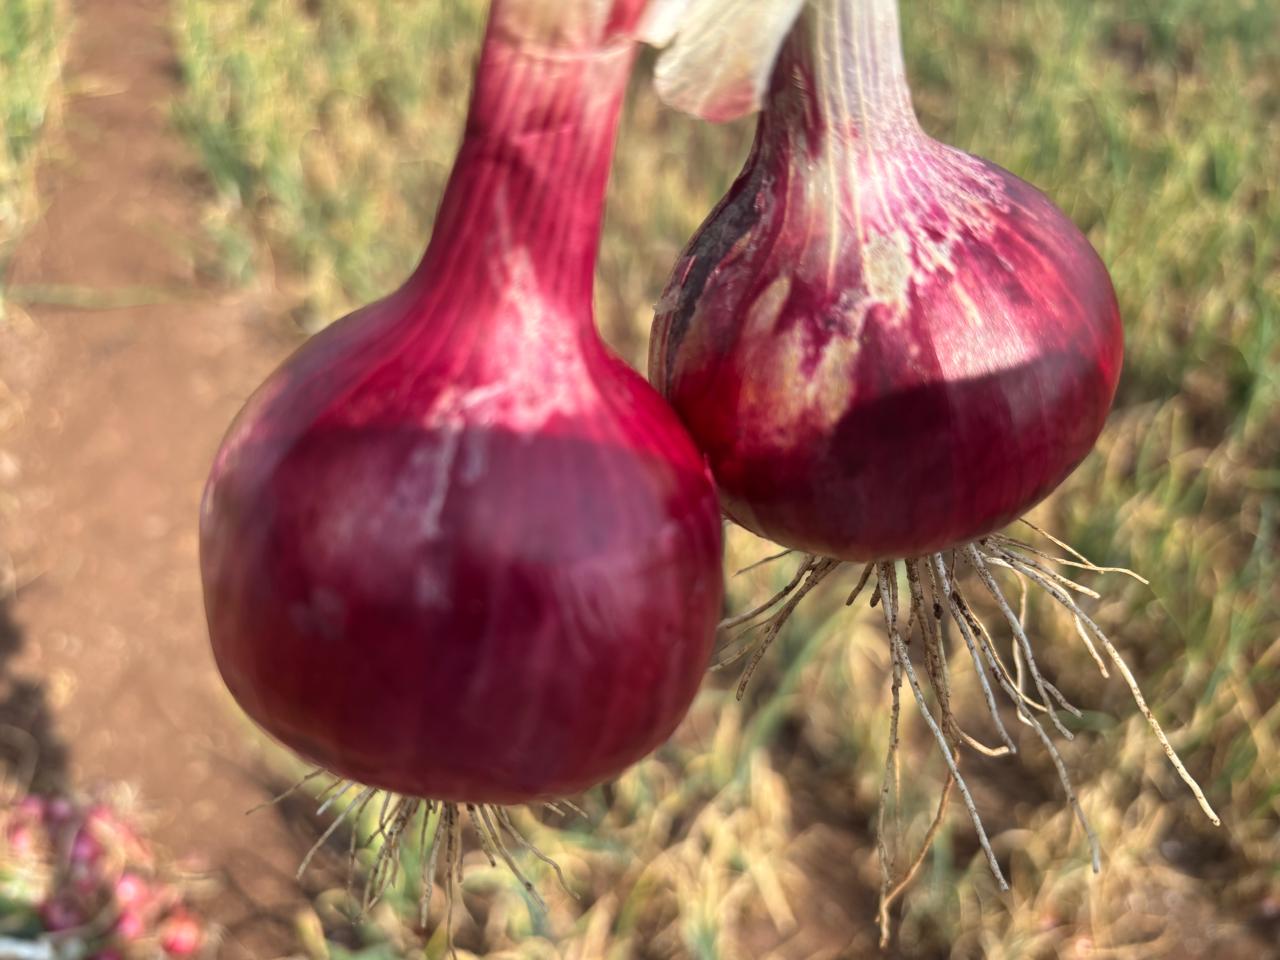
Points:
(935, 596)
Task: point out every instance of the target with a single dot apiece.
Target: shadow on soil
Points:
(269, 924)
(32, 756)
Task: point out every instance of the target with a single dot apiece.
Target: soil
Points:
(113, 417)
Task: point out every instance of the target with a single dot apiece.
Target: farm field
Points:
(205, 183)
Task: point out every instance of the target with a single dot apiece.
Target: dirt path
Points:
(113, 419)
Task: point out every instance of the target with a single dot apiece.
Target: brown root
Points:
(1029, 569)
(438, 840)
(812, 572)
(933, 597)
(889, 603)
(887, 895)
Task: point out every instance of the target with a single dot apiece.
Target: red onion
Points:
(888, 350)
(885, 346)
(454, 547)
(180, 934)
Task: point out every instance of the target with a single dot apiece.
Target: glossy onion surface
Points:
(454, 547)
(885, 346)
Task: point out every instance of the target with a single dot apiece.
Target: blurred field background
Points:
(32, 41)
(325, 130)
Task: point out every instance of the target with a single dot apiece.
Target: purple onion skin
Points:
(886, 347)
(454, 547)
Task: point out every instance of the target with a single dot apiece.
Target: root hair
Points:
(933, 597)
(437, 842)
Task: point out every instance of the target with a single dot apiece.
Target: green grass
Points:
(32, 40)
(289, 109)
(1156, 125)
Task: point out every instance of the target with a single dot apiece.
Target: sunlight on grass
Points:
(32, 41)
(331, 146)
(1155, 125)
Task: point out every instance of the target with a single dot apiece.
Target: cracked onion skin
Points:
(454, 547)
(885, 346)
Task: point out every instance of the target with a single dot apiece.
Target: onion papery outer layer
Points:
(885, 346)
(454, 548)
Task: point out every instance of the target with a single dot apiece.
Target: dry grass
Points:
(32, 45)
(751, 833)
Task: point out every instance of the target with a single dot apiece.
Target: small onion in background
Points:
(79, 878)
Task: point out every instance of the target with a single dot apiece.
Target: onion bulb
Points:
(885, 346)
(454, 548)
(888, 350)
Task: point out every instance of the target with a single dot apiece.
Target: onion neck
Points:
(840, 80)
(525, 201)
